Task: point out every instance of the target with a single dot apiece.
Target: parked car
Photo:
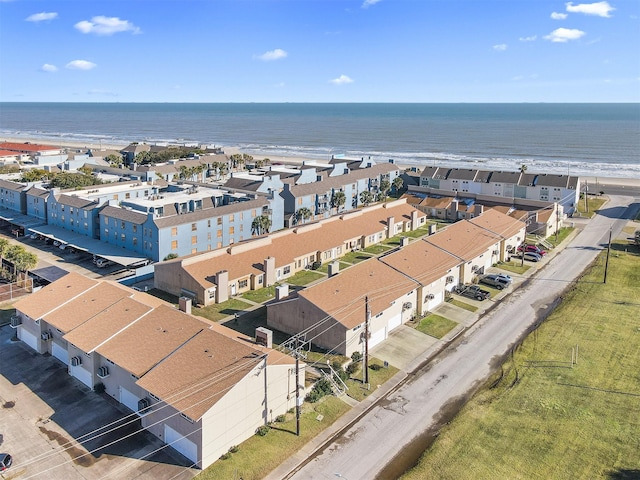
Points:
(530, 256)
(103, 262)
(5, 461)
(473, 291)
(533, 248)
(497, 280)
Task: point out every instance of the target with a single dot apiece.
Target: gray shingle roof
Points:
(173, 220)
(125, 214)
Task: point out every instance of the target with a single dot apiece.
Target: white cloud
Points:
(101, 25)
(532, 38)
(41, 17)
(562, 35)
(80, 65)
(558, 16)
(500, 48)
(368, 3)
(341, 80)
(47, 67)
(271, 55)
(600, 9)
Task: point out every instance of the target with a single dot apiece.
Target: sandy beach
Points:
(97, 147)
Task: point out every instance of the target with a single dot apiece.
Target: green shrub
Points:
(98, 388)
(356, 356)
(234, 449)
(352, 368)
(262, 430)
(281, 418)
(225, 456)
(319, 390)
(375, 366)
(340, 373)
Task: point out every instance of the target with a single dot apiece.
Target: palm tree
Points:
(366, 197)
(385, 186)
(398, 183)
(523, 168)
(261, 225)
(25, 261)
(303, 214)
(338, 200)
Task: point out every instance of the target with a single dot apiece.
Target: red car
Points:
(532, 248)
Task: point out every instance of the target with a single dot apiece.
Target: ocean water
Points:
(581, 139)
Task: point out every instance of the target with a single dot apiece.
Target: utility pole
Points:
(557, 221)
(295, 346)
(606, 263)
(366, 340)
(586, 194)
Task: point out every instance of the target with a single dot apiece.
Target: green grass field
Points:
(541, 418)
(358, 390)
(435, 325)
(257, 456)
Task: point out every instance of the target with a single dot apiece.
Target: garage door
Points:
(28, 338)
(183, 445)
(83, 375)
(394, 322)
(60, 353)
(377, 337)
(128, 399)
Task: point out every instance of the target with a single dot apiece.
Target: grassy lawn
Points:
(304, 277)
(435, 325)
(257, 456)
(542, 419)
(355, 257)
(218, 311)
(325, 267)
(593, 204)
(513, 266)
(6, 311)
(378, 249)
(358, 391)
(464, 305)
(261, 295)
(563, 233)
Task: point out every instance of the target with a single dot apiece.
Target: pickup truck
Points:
(497, 280)
(473, 291)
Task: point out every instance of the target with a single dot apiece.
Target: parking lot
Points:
(49, 422)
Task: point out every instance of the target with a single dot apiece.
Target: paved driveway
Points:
(44, 412)
(403, 346)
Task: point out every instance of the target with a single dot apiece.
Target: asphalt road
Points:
(393, 432)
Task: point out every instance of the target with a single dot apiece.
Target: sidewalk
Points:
(300, 457)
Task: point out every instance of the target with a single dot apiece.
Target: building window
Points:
(174, 231)
(219, 234)
(135, 241)
(219, 221)
(231, 218)
(106, 232)
(209, 223)
(135, 228)
(287, 269)
(174, 244)
(194, 227)
(194, 239)
(194, 250)
(231, 230)
(208, 235)
(243, 283)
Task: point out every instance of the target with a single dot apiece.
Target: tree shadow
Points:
(624, 474)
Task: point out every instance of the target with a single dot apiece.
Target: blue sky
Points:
(319, 51)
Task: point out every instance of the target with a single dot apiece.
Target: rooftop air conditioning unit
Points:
(144, 404)
(76, 361)
(45, 336)
(15, 321)
(103, 372)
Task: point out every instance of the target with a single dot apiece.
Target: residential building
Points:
(200, 388)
